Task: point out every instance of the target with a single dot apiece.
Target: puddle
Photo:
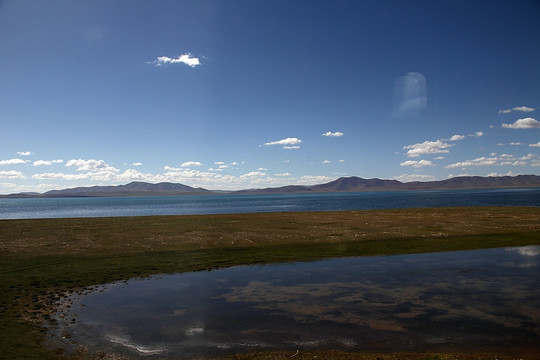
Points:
(474, 300)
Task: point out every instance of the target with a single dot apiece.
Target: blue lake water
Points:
(482, 300)
(224, 204)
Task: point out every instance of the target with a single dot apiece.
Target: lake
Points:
(225, 204)
(469, 300)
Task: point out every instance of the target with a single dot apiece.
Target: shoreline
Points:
(44, 258)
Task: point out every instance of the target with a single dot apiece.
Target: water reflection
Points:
(480, 300)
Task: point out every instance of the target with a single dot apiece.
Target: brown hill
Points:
(343, 184)
(356, 184)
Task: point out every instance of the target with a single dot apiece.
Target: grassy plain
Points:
(42, 259)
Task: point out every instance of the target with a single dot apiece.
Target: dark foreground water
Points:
(226, 204)
(469, 300)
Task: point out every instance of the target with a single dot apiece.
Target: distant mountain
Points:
(22, 195)
(132, 189)
(354, 184)
(349, 184)
(343, 184)
(478, 182)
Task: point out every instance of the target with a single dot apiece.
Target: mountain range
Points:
(343, 184)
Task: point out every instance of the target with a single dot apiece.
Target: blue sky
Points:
(242, 94)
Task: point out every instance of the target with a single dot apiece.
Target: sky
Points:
(242, 94)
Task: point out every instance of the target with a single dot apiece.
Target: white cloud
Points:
(535, 145)
(414, 177)
(313, 180)
(525, 123)
(515, 143)
(11, 175)
(494, 174)
(253, 174)
(91, 165)
(427, 147)
(24, 153)
(523, 108)
(135, 175)
(89, 172)
(213, 180)
(170, 168)
(417, 164)
(191, 163)
(221, 166)
(11, 188)
(60, 176)
(47, 162)
(326, 162)
(137, 164)
(459, 175)
(291, 147)
(481, 161)
(288, 142)
(184, 59)
(187, 175)
(528, 157)
(457, 137)
(501, 160)
(12, 162)
(517, 108)
(98, 170)
(333, 134)
(341, 161)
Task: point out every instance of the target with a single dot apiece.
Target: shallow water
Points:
(475, 300)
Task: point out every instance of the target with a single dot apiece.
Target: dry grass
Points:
(135, 235)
